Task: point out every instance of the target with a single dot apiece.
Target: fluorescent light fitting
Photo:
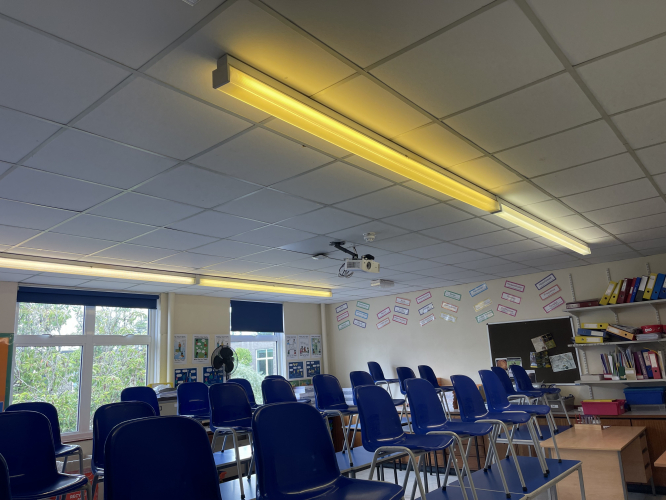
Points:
(233, 78)
(96, 272)
(264, 287)
(528, 221)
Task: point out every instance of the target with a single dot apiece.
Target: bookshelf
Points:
(625, 342)
(604, 382)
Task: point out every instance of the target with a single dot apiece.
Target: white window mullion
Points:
(85, 392)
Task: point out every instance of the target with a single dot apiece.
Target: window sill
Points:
(72, 437)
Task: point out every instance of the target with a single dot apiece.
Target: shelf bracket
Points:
(647, 268)
(656, 312)
(573, 297)
(608, 276)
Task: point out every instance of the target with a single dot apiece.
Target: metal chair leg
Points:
(80, 452)
(64, 463)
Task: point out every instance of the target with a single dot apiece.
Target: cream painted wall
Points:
(462, 347)
(302, 319)
(8, 306)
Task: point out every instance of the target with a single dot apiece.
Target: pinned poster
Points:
(222, 340)
(359, 323)
(315, 346)
(180, 349)
(292, 346)
(303, 346)
(550, 292)
(383, 323)
(361, 314)
(452, 295)
(212, 376)
(450, 307)
(425, 309)
(541, 284)
(511, 298)
(184, 375)
(201, 344)
(506, 310)
(404, 302)
(362, 305)
(514, 286)
(423, 298)
(342, 315)
(401, 310)
(478, 289)
(562, 362)
(543, 342)
(295, 369)
(427, 319)
(448, 317)
(383, 312)
(341, 308)
(343, 325)
(482, 305)
(484, 316)
(554, 304)
(399, 319)
(313, 368)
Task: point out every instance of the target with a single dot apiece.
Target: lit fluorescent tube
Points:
(264, 287)
(96, 272)
(232, 77)
(523, 219)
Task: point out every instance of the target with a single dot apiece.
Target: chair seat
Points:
(304, 400)
(471, 429)
(415, 442)
(98, 471)
(446, 388)
(238, 428)
(346, 410)
(64, 483)
(398, 402)
(345, 488)
(532, 394)
(392, 380)
(66, 449)
(533, 409)
(511, 418)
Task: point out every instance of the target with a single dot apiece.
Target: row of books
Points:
(596, 333)
(639, 365)
(635, 290)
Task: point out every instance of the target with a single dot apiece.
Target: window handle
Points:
(46, 335)
(128, 335)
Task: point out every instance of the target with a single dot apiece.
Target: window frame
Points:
(278, 338)
(87, 342)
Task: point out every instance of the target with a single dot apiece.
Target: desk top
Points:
(611, 439)
(661, 461)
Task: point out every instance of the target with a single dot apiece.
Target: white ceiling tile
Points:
(216, 224)
(144, 209)
(511, 248)
(355, 234)
(311, 246)
(643, 235)
(468, 208)
(190, 260)
(171, 239)
(512, 267)
(545, 261)
(572, 147)
(150, 116)
(568, 264)
(13, 213)
(661, 181)
(472, 50)
(333, 183)
(393, 259)
(483, 263)
(138, 253)
(653, 158)
(463, 256)
(485, 172)
(387, 202)
(610, 196)
(237, 267)
(4, 167)
(645, 222)
(277, 257)
(643, 126)
(462, 229)
(648, 244)
(598, 174)
(10, 235)
(20, 134)
(589, 29)
(525, 232)
(629, 78)
(303, 137)
(432, 251)
(273, 273)
(95, 159)
(45, 253)
(108, 285)
(14, 278)
(373, 168)
(263, 157)
(627, 211)
(150, 288)
(324, 221)
(66, 243)
(405, 242)
(437, 144)
(268, 206)
(490, 239)
(102, 228)
(464, 275)
(521, 193)
(75, 79)
(610, 250)
(33, 186)
(196, 186)
(424, 218)
(427, 191)
(570, 222)
(588, 233)
(548, 209)
(545, 108)
(511, 274)
(45, 280)
(273, 236)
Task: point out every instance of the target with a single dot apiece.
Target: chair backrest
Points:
(470, 401)
(376, 371)
(503, 377)
(328, 393)
(496, 396)
(192, 399)
(229, 406)
(26, 444)
(292, 466)
(427, 373)
(522, 378)
(160, 457)
(274, 376)
(5, 492)
(424, 405)
(46, 409)
(404, 373)
(358, 379)
(379, 420)
(275, 390)
(107, 417)
(245, 384)
(145, 394)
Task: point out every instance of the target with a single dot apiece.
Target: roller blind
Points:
(249, 316)
(86, 298)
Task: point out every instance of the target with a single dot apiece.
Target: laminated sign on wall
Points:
(201, 354)
(292, 346)
(180, 349)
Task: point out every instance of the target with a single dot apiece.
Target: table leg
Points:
(624, 483)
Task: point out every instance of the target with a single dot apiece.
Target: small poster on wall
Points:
(313, 368)
(180, 349)
(212, 376)
(292, 346)
(304, 346)
(295, 369)
(315, 346)
(201, 354)
(222, 340)
(183, 375)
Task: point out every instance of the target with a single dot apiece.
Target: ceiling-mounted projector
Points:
(363, 264)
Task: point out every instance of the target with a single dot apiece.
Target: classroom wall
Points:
(462, 347)
(8, 306)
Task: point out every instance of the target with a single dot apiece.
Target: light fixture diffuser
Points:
(265, 287)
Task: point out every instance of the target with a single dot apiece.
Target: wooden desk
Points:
(661, 461)
(611, 458)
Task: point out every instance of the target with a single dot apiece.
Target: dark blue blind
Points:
(256, 316)
(85, 298)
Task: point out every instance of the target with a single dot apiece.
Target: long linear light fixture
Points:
(523, 219)
(265, 287)
(248, 85)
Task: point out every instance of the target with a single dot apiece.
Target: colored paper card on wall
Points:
(482, 305)
(401, 310)
(341, 308)
(383, 323)
(361, 314)
(212, 376)
(550, 292)
(448, 317)
(545, 282)
(383, 313)
(343, 325)
(342, 316)
(313, 368)
(362, 305)
(423, 298)
(553, 305)
(296, 369)
(478, 289)
(514, 286)
(450, 307)
(426, 308)
(404, 302)
(511, 298)
(183, 375)
(452, 295)
(484, 316)
(427, 319)
(360, 323)
(399, 319)
(506, 310)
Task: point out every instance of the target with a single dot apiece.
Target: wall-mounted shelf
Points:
(618, 307)
(604, 382)
(626, 342)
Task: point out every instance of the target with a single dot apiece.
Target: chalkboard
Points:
(514, 339)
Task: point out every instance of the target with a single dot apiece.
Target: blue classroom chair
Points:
(378, 376)
(26, 444)
(330, 401)
(511, 392)
(245, 384)
(50, 412)
(302, 466)
(427, 373)
(277, 390)
(142, 393)
(525, 386)
(192, 400)
(360, 378)
(4, 480)
(141, 464)
(280, 377)
(404, 373)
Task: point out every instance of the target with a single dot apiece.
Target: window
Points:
(265, 361)
(80, 357)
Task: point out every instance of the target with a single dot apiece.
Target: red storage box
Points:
(601, 407)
